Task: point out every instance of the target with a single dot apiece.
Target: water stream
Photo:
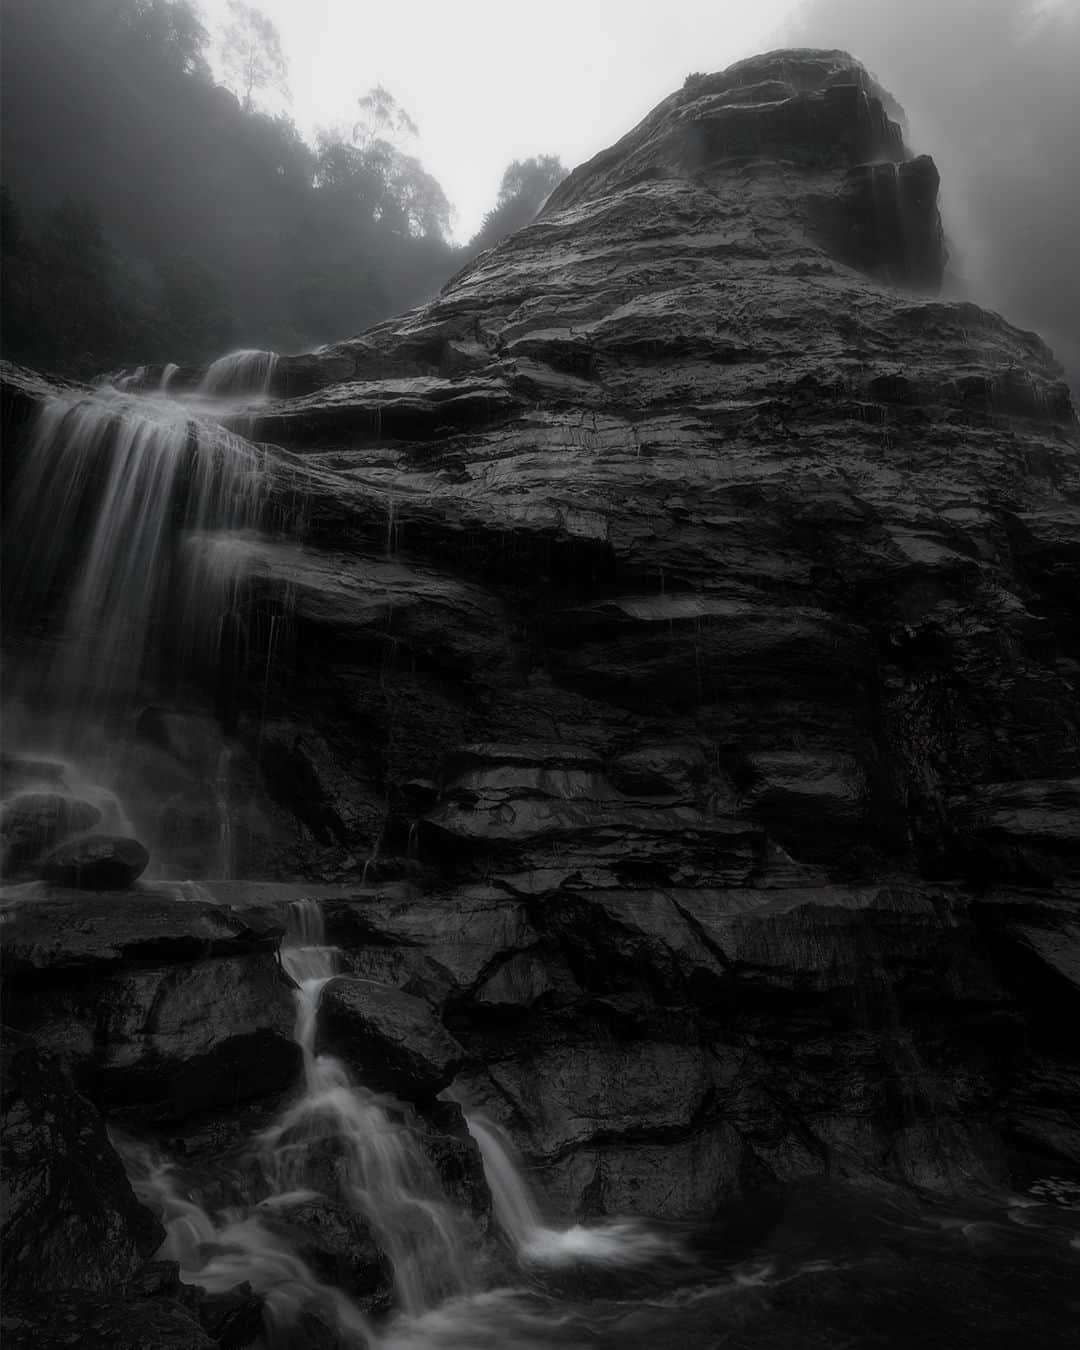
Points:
(340, 1142)
(134, 512)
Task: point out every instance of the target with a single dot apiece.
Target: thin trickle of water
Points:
(167, 374)
(390, 540)
(226, 868)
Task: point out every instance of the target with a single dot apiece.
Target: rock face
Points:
(70, 1218)
(391, 1040)
(683, 617)
(153, 1002)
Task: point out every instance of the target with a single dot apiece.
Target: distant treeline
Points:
(150, 214)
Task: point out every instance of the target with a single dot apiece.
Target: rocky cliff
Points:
(665, 665)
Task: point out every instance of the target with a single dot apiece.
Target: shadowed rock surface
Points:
(669, 691)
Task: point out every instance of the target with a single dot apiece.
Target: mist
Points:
(991, 91)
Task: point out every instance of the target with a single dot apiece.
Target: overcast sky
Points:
(489, 81)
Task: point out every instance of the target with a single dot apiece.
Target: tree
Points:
(531, 180)
(369, 169)
(382, 118)
(252, 54)
(526, 185)
(170, 32)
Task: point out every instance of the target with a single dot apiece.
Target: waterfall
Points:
(617, 1242)
(244, 372)
(167, 374)
(106, 482)
(383, 1172)
(133, 380)
(516, 1210)
(378, 1170)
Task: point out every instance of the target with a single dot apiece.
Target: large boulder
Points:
(337, 1246)
(158, 1004)
(33, 822)
(70, 1218)
(96, 862)
(391, 1041)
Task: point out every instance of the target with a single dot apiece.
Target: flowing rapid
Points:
(339, 1142)
(243, 372)
(620, 1242)
(134, 512)
(342, 1144)
(114, 487)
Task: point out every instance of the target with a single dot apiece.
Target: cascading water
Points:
(383, 1172)
(110, 487)
(619, 1242)
(377, 1169)
(242, 372)
(134, 514)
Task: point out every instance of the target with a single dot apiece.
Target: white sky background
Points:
(489, 81)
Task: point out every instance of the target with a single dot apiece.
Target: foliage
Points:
(252, 54)
(150, 215)
(531, 179)
(526, 185)
(382, 118)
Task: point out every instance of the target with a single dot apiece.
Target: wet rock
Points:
(688, 595)
(811, 803)
(234, 1319)
(20, 772)
(1029, 829)
(84, 1321)
(118, 989)
(338, 1246)
(71, 1220)
(659, 770)
(96, 862)
(453, 1153)
(392, 1041)
(34, 821)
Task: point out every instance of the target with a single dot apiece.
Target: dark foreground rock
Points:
(71, 1220)
(82, 1322)
(152, 1002)
(339, 1247)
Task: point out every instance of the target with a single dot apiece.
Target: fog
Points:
(179, 192)
(991, 89)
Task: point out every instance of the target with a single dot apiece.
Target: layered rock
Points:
(154, 1002)
(684, 609)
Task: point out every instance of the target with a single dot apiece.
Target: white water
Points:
(126, 477)
(617, 1242)
(244, 372)
(133, 380)
(379, 1170)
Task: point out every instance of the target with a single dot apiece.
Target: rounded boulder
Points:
(96, 862)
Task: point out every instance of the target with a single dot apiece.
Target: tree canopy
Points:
(526, 185)
(151, 215)
(252, 55)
